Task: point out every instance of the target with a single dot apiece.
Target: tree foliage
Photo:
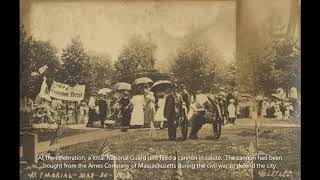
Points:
(104, 71)
(136, 56)
(283, 68)
(195, 65)
(35, 54)
(272, 64)
(77, 68)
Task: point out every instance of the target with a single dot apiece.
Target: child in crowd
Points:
(232, 112)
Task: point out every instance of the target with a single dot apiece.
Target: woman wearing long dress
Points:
(92, 112)
(149, 108)
(137, 116)
(277, 113)
(125, 111)
(159, 114)
(149, 112)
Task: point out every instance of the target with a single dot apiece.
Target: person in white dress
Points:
(286, 112)
(137, 116)
(149, 112)
(232, 112)
(278, 113)
(159, 114)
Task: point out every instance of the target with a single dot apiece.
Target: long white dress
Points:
(137, 116)
(159, 114)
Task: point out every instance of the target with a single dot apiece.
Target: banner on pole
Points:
(66, 92)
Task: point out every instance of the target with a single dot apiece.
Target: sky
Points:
(105, 27)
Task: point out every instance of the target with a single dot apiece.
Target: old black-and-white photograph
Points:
(160, 89)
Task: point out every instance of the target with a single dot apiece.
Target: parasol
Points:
(276, 96)
(161, 85)
(245, 95)
(83, 103)
(142, 80)
(104, 91)
(122, 86)
(259, 98)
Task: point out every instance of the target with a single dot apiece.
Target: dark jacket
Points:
(229, 96)
(186, 98)
(171, 102)
(102, 108)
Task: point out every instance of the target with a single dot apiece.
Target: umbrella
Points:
(142, 80)
(276, 96)
(245, 95)
(104, 91)
(122, 86)
(161, 85)
(83, 103)
(259, 98)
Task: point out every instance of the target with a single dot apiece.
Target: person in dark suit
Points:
(102, 103)
(186, 107)
(173, 111)
(216, 117)
(185, 96)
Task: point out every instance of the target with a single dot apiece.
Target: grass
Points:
(235, 141)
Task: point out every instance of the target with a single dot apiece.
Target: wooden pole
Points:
(76, 112)
(257, 133)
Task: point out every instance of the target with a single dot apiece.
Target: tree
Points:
(35, 54)
(230, 76)
(283, 68)
(104, 72)
(136, 56)
(195, 65)
(274, 63)
(77, 68)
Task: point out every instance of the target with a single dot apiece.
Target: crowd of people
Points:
(171, 108)
(46, 113)
(280, 107)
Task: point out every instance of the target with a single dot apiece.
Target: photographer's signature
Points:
(275, 173)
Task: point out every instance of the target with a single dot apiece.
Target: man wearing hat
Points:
(173, 111)
(216, 116)
(102, 103)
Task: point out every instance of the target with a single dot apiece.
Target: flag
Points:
(105, 149)
(44, 90)
(43, 69)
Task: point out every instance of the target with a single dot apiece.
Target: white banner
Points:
(66, 92)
